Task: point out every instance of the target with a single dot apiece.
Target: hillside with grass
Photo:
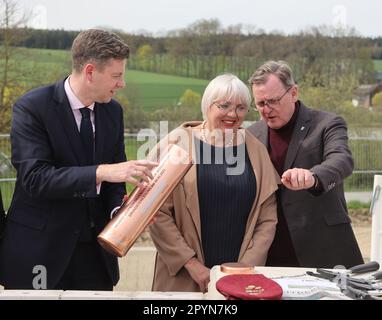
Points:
(161, 91)
(152, 90)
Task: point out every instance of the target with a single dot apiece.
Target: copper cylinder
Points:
(137, 212)
(236, 268)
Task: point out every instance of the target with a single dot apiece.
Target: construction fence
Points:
(367, 154)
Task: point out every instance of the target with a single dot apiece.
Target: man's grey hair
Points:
(278, 68)
(226, 87)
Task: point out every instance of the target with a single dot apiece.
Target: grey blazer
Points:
(318, 223)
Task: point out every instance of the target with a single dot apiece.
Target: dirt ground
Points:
(361, 222)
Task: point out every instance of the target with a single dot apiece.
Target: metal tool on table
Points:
(356, 288)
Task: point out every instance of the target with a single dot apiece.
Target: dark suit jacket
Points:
(318, 223)
(54, 189)
(2, 216)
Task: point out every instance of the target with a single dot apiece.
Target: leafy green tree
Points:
(12, 21)
(191, 99)
(145, 56)
(326, 97)
(135, 118)
(190, 105)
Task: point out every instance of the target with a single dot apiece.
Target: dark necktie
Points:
(86, 133)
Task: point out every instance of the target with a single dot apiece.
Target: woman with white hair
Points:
(224, 209)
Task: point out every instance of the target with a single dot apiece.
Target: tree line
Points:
(205, 49)
(328, 63)
(208, 37)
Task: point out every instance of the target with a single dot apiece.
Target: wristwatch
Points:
(315, 185)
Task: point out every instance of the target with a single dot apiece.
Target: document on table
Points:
(309, 289)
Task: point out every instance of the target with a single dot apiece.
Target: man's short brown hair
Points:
(97, 46)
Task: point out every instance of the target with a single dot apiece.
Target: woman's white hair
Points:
(226, 87)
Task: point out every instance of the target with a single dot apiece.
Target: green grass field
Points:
(42, 66)
(378, 65)
(159, 90)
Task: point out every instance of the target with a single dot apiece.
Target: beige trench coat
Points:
(176, 232)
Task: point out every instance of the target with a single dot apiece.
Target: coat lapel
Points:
(300, 131)
(192, 198)
(253, 158)
(251, 150)
(191, 189)
(263, 189)
(69, 126)
(260, 131)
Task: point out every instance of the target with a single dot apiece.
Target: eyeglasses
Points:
(225, 108)
(271, 103)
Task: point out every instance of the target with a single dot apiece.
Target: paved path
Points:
(137, 267)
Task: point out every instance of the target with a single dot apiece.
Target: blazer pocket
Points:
(334, 219)
(33, 217)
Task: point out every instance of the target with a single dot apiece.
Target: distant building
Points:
(363, 95)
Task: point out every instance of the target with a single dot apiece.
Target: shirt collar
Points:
(74, 102)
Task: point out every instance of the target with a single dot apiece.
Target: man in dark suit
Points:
(309, 149)
(68, 149)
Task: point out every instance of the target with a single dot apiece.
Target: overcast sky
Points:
(159, 16)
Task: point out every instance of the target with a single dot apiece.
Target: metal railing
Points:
(367, 154)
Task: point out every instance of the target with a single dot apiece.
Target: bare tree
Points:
(12, 31)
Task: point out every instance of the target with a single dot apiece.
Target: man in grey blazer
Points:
(309, 149)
